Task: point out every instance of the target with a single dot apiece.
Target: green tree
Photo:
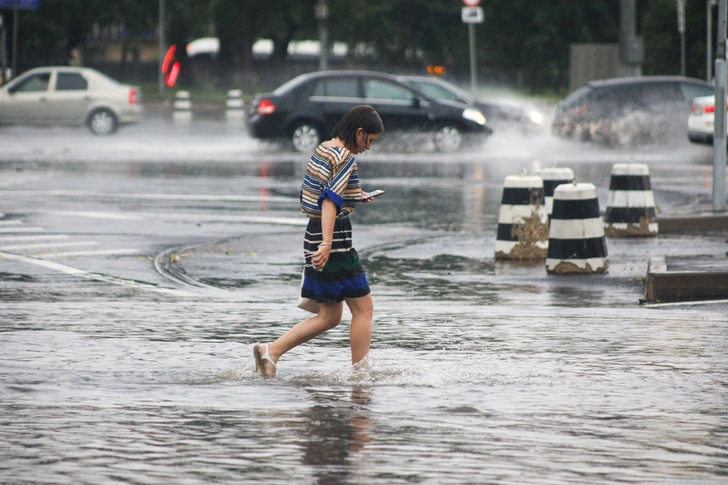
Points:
(662, 40)
(530, 40)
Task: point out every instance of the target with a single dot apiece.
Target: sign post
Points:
(471, 15)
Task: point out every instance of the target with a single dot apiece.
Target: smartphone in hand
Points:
(371, 195)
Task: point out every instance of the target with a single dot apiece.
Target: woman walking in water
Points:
(333, 273)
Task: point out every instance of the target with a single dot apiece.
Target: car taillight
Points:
(709, 109)
(266, 107)
(132, 96)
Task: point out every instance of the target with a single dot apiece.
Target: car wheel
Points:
(103, 122)
(449, 138)
(305, 137)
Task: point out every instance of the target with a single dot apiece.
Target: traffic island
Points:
(686, 279)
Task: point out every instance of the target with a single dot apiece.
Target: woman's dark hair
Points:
(364, 117)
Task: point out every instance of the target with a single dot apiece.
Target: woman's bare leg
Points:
(328, 317)
(360, 334)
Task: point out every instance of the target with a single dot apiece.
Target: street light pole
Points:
(719, 126)
(473, 60)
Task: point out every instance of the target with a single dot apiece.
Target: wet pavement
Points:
(136, 367)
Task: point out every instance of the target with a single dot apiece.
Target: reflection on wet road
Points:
(136, 367)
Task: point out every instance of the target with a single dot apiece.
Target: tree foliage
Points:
(520, 41)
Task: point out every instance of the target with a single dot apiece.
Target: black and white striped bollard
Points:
(182, 107)
(552, 178)
(522, 221)
(630, 202)
(576, 236)
(234, 106)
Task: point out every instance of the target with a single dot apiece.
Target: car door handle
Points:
(87, 98)
(42, 98)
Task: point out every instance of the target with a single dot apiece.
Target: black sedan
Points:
(305, 110)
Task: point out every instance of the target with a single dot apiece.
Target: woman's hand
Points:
(321, 257)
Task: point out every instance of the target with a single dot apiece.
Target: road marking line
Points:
(32, 238)
(93, 276)
(98, 215)
(12, 222)
(7, 230)
(20, 247)
(284, 221)
(193, 197)
(104, 252)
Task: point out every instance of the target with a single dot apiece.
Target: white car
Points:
(48, 96)
(701, 120)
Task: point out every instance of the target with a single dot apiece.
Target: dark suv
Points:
(629, 111)
(305, 109)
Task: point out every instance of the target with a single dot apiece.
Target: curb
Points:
(676, 279)
(704, 222)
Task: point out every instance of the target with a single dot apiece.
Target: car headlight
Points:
(474, 115)
(536, 117)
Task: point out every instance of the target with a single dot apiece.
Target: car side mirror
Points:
(416, 103)
(12, 89)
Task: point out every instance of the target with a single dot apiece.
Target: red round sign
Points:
(471, 3)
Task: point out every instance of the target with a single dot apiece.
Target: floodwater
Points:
(165, 392)
(481, 372)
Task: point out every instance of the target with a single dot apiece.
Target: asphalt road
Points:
(137, 271)
(164, 206)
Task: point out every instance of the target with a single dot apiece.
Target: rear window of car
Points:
(70, 81)
(577, 97)
(336, 88)
(291, 85)
(378, 89)
(690, 91)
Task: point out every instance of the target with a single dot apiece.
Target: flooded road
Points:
(133, 284)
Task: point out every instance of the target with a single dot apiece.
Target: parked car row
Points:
(49, 96)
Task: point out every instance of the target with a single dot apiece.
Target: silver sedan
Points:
(49, 96)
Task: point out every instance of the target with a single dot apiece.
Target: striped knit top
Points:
(331, 173)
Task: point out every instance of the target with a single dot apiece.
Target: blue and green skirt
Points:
(343, 276)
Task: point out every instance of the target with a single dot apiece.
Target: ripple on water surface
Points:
(161, 392)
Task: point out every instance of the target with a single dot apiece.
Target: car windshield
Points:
(34, 82)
